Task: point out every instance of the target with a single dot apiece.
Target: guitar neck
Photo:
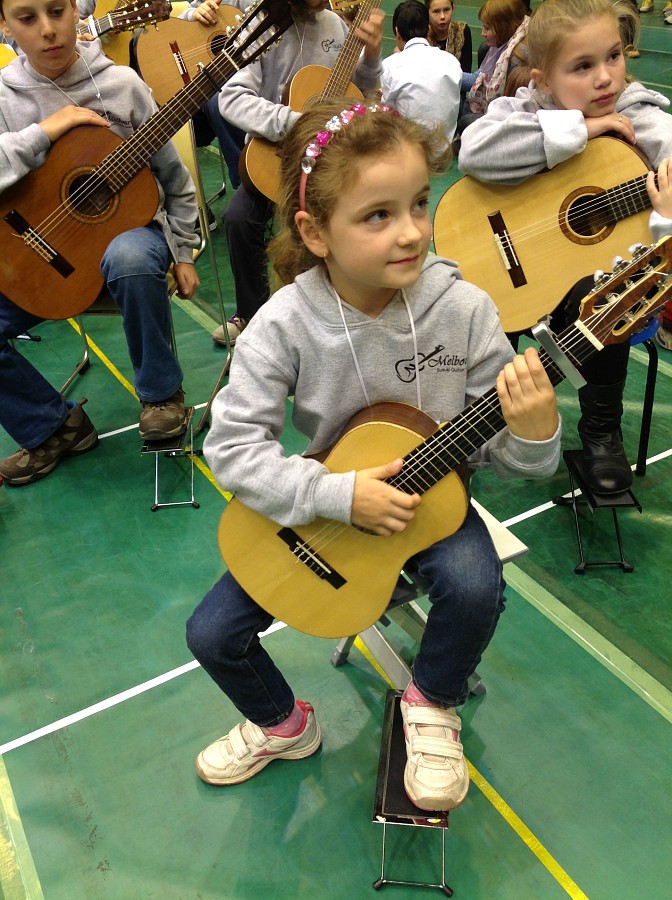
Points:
(341, 74)
(453, 443)
(627, 199)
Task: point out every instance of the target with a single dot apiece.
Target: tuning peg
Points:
(598, 275)
(618, 263)
(637, 249)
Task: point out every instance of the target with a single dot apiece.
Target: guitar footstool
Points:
(392, 806)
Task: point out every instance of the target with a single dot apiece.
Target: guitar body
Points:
(259, 164)
(263, 563)
(552, 250)
(78, 231)
(168, 58)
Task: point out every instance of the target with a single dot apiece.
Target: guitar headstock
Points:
(625, 302)
(263, 23)
(142, 12)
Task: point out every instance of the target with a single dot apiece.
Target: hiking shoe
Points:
(235, 327)
(160, 421)
(247, 749)
(436, 775)
(76, 435)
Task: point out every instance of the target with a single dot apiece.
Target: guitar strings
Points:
(626, 195)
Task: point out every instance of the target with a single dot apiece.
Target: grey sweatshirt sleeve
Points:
(244, 452)
(516, 139)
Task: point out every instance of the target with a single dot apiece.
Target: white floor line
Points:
(122, 697)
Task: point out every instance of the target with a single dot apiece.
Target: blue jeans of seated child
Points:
(467, 597)
(134, 267)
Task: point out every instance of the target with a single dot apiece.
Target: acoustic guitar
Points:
(331, 579)
(57, 221)
(528, 244)
(126, 18)
(259, 163)
(169, 58)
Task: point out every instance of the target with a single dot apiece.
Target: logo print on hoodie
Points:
(406, 371)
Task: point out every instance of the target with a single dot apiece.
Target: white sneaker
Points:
(247, 749)
(235, 327)
(646, 6)
(436, 776)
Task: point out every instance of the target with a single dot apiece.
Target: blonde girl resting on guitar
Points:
(55, 85)
(359, 321)
(579, 91)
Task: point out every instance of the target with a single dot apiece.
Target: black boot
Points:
(607, 467)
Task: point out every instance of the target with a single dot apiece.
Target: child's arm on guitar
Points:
(23, 151)
(515, 140)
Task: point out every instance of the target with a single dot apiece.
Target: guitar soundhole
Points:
(584, 217)
(90, 198)
(217, 44)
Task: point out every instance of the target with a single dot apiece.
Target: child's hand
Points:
(187, 279)
(379, 507)
(661, 196)
(68, 117)
(206, 13)
(371, 32)
(613, 122)
(527, 398)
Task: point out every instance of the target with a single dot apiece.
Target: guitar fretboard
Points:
(341, 73)
(628, 199)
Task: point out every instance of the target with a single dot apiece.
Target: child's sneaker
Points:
(247, 749)
(235, 327)
(436, 776)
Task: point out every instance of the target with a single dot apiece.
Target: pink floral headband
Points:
(322, 138)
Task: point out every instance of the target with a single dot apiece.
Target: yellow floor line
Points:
(512, 820)
(104, 359)
(18, 876)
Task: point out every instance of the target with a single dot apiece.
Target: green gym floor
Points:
(102, 709)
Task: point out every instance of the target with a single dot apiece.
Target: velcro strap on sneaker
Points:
(431, 715)
(436, 746)
(242, 747)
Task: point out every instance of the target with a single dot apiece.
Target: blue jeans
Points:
(247, 223)
(466, 590)
(231, 139)
(134, 267)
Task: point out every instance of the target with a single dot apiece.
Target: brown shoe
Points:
(160, 421)
(75, 436)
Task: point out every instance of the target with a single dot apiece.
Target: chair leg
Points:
(647, 407)
(85, 361)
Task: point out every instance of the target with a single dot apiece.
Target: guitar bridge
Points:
(506, 249)
(32, 239)
(312, 560)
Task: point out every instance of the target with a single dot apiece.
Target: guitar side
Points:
(552, 256)
(169, 57)
(69, 284)
(259, 164)
(262, 561)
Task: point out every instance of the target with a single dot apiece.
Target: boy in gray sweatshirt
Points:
(55, 85)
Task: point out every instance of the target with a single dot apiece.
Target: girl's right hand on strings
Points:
(613, 122)
(379, 507)
(68, 117)
(661, 194)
